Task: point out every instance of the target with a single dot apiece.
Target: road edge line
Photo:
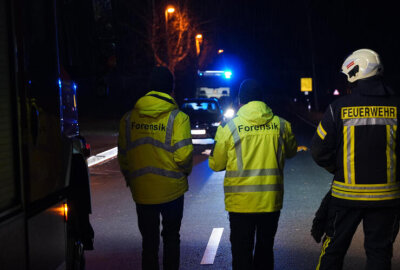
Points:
(102, 157)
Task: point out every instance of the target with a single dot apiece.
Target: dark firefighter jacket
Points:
(358, 141)
(155, 149)
(252, 149)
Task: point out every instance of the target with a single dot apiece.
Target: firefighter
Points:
(252, 148)
(357, 141)
(155, 155)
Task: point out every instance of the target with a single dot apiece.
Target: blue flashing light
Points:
(228, 74)
(59, 83)
(74, 86)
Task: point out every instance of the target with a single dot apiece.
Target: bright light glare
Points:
(203, 141)
(229, 113)
(170, 10)
(198, 131)
(216, 124)
(220, 51)
(65, 211)
(228, 74)
(199, 36)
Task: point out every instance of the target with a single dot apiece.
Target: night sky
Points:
(276, 42)
(280, 41)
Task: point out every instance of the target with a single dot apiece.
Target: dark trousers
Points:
(245, 228)
(380, 225)
(149, 226)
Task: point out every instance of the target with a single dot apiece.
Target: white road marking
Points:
(103, 156)
(212, 246)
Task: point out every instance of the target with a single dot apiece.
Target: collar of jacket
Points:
(373, 86)
(155, 103)
(256, 112)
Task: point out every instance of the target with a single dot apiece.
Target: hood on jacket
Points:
(155, 103)
(256, 112)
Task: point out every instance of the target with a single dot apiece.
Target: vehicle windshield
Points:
(200, 106)
(203, 111)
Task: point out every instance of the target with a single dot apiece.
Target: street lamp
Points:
(199, 41)
(168, 10)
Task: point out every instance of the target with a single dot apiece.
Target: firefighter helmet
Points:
(362, 64)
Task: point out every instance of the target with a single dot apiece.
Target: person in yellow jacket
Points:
(155, 155)
(252, 148)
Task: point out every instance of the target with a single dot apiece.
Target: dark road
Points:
(118, 241)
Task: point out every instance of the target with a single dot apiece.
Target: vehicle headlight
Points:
(229, 113)
(216, 124)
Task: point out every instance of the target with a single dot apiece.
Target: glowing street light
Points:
(220, 51)
(168, 10)
(199, 41)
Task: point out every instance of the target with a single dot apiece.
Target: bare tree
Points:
(172, 35)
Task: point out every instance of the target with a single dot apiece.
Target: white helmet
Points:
(362, 64)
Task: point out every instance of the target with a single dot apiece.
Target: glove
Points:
(320, 219)
(318, 229)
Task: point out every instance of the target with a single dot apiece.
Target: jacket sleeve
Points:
(290, 141)
(182, 138)
(323, 144)
(219, 154)
(122, 157)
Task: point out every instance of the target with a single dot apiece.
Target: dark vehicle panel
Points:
(40, 145)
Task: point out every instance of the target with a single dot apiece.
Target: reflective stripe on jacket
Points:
(252, 148)
(155, 149)
(358, 141)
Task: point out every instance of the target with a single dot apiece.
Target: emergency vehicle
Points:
(217, 84)
(213, 83)
(44, 181)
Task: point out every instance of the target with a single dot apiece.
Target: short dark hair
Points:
(161, 79)
(250, 90)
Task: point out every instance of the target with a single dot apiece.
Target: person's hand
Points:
(317, 230)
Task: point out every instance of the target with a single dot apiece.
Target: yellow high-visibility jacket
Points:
(252, 148)
(155, 149)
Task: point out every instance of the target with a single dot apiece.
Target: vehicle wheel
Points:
(79, 231)
(75, 253)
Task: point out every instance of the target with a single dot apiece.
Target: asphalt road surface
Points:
(118, 241)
